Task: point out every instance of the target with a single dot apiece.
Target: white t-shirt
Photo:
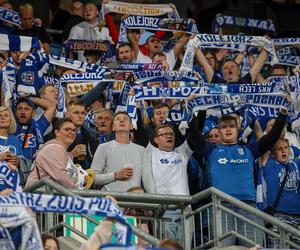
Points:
(168, 170)
(141, 58)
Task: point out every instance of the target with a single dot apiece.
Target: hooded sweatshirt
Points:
(52, 161)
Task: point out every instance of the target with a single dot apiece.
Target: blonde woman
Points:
(10, 145)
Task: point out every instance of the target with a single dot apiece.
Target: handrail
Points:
(166, 200)
(120, 196)
(227, 198)
(55, 186)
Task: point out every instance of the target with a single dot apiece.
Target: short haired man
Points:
(118, 163)
(165, 170)
(29, 131)
(125, 53)
(28, 29)
(104, 124)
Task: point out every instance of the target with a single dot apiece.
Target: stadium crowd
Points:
(101, 136)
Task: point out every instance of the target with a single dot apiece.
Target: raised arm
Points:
(268, 141)
(46, 105)
(134, 44)
(140, 134)
(258, 65)
(208, 71)
(195, 139)
(180, 44)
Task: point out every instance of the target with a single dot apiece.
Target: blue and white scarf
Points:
(69, 204)
(158, 76)
(155, 23)
(14, 215)
(74, 64)
(10, 16)
(83, 77)
(286, 41)
(134, 66)
(9, 81)
(203, 39)
(222, 21)
(18, 43)
(9, 178)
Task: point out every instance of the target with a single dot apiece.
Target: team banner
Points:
(82, 77)
(139, 9)
(222, 21)
(10, 16)
(155, 23)
(18, 43)
(199, 40)
(69, 204)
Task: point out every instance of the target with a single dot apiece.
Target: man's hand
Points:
(124, 173)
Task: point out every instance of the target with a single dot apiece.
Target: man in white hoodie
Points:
(90, 29)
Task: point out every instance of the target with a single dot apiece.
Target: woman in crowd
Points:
(53, 160)
(10, 145)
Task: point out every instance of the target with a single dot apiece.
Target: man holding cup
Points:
(118, 163)
(85, 144)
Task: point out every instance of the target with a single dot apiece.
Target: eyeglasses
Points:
(166, 134)
(68, 130)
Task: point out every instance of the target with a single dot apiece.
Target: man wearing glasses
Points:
(165, 171)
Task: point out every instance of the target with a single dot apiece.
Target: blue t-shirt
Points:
(231, 168)
(11, 144)
(34, 136)
(274, 173)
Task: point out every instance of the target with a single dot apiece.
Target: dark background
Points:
(284, 13)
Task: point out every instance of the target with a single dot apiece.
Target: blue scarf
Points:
(222, 21)
(158, 76)
(18, 229)
(18, 43)
(9, 178)
(69, 204)
(204, 39)
(10, 16)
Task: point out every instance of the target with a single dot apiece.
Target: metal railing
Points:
(219, 220)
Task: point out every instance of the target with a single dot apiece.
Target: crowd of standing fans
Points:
(95, 144)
